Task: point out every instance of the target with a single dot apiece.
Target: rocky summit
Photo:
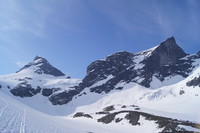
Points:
(39, 77)
(41, 65)
(161, 61)
(167, 53)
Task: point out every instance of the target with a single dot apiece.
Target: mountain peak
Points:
(39, 60)
(38, 57)
(170, 43)
(40, 65)
(168, 52)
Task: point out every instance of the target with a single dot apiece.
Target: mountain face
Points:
(167, 53)
(150, 68)
(161, 62)
(40, 79)
(114, 66)
(41, 65)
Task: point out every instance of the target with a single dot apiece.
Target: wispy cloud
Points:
(177, 18)
(166, 18)
(138, 17)
(161, 20)
(194, 18)
(20, 64)
(21, 21)
(22, 18)
(129, 20)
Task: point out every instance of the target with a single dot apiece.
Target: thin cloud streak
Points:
(18, 18)
(152, 19)
(162, 21)
(137, 20)
(20, 64)
(18, 22)
(194, 16)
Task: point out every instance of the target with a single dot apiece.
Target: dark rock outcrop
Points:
(167, 53)
(101, 69)
(164, 123)
(81, 114)
(63, 97)
(43, 67)
(25, 90)
(49, 91)
(163, 61)
(109, 108)
(194, 82)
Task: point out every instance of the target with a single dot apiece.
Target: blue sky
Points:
(71, 34)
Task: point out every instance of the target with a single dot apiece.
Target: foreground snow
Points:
(16, 117)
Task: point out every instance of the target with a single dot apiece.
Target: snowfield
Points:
(38, 102)
(16, 117)
(36, 114)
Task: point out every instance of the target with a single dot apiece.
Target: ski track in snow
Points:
(2, 109)
(23, 122)
(11, 124)
(11, 121)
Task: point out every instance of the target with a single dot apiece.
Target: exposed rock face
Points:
(81, 114)
(25, 90)
(63, 97)
(49, 91)
(43, 66)
(194, 82)
(114, 65)
(167, 53)
(165, 60)
(162, 61)
(164, 123)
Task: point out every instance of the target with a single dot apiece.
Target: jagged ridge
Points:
(161, 61)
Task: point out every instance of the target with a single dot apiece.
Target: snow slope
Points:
(38, 101)
(166, 101)
(16, 117)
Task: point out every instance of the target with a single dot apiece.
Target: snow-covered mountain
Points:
(156, 90)
(39, 85)
(41, 66)
(152, 69)
(160, 81)
(160, 63)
